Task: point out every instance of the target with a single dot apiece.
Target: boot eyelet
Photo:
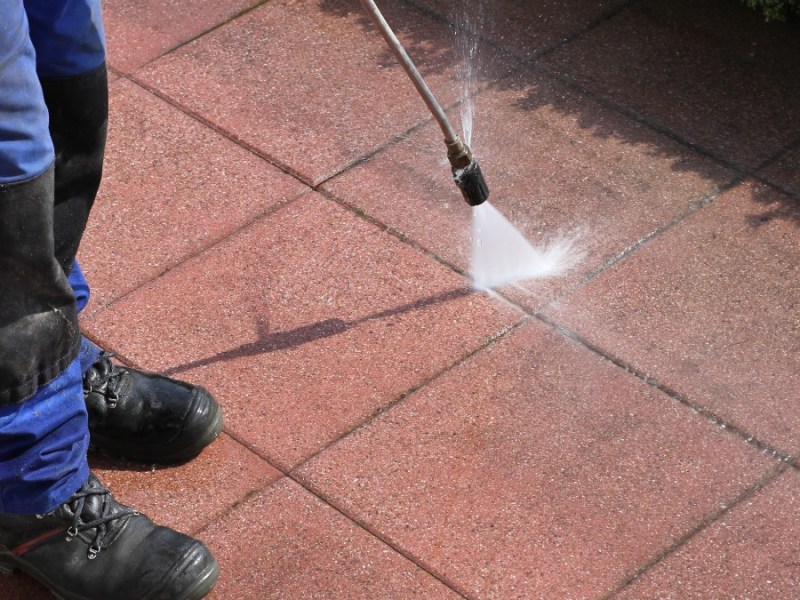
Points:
(94, 550)
(72, 531)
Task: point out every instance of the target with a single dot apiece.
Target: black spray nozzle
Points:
(467, 173)
(471, 183)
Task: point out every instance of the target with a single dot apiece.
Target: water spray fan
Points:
(466, 171)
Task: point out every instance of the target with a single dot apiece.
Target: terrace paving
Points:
(277, 222)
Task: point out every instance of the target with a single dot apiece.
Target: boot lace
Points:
(110, 517)
(103, 378)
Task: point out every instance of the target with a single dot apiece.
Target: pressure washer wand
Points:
(466, 171)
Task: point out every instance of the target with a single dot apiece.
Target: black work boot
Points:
(93, 548)
(147, 417)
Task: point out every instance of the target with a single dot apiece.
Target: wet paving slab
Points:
(531, 456)
(558, 166)
(708, 311)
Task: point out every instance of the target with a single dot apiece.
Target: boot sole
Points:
(201, 587)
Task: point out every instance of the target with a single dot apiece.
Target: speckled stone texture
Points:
(190, 495)
(317, 108)
(534, 455)
(324, 320)
(171, 187)
(709, 310)
(278, 222)
(286, 543)
(749, 553)
(142, 30)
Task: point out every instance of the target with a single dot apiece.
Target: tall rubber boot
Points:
(78, 108)
(38, 310)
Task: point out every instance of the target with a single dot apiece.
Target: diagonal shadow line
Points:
(267, 342)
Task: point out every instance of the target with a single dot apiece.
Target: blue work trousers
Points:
(44, 436)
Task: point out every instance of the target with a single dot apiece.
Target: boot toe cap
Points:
(192, 573)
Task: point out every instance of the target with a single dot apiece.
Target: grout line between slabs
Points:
(779, 155)
(288, 170)
(380, 410)
(180, 44)
(417, 561)
(393, 232)
(622, 255)
(272, 209)
(610, 15)
(702, 525)
(707, 414)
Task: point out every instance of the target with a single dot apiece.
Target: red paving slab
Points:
(710, 310)
(712, 72)
(286, 544)
(535, 470)
(191, 495)
(310, 84)
(556, 164)
(138, 31)
(750, 552)
(171, 187)
(303, 325)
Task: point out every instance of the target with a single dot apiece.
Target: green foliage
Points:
(776, 10)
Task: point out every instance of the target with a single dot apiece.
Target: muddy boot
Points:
(93, 548)
(147, 417)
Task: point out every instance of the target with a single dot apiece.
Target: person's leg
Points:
(70, 62)
(90, 352)
(135, 415)
(43, 422)
(43, 444)
(81, 543)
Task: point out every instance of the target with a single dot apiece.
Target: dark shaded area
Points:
(712, 75)
(267, 342)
